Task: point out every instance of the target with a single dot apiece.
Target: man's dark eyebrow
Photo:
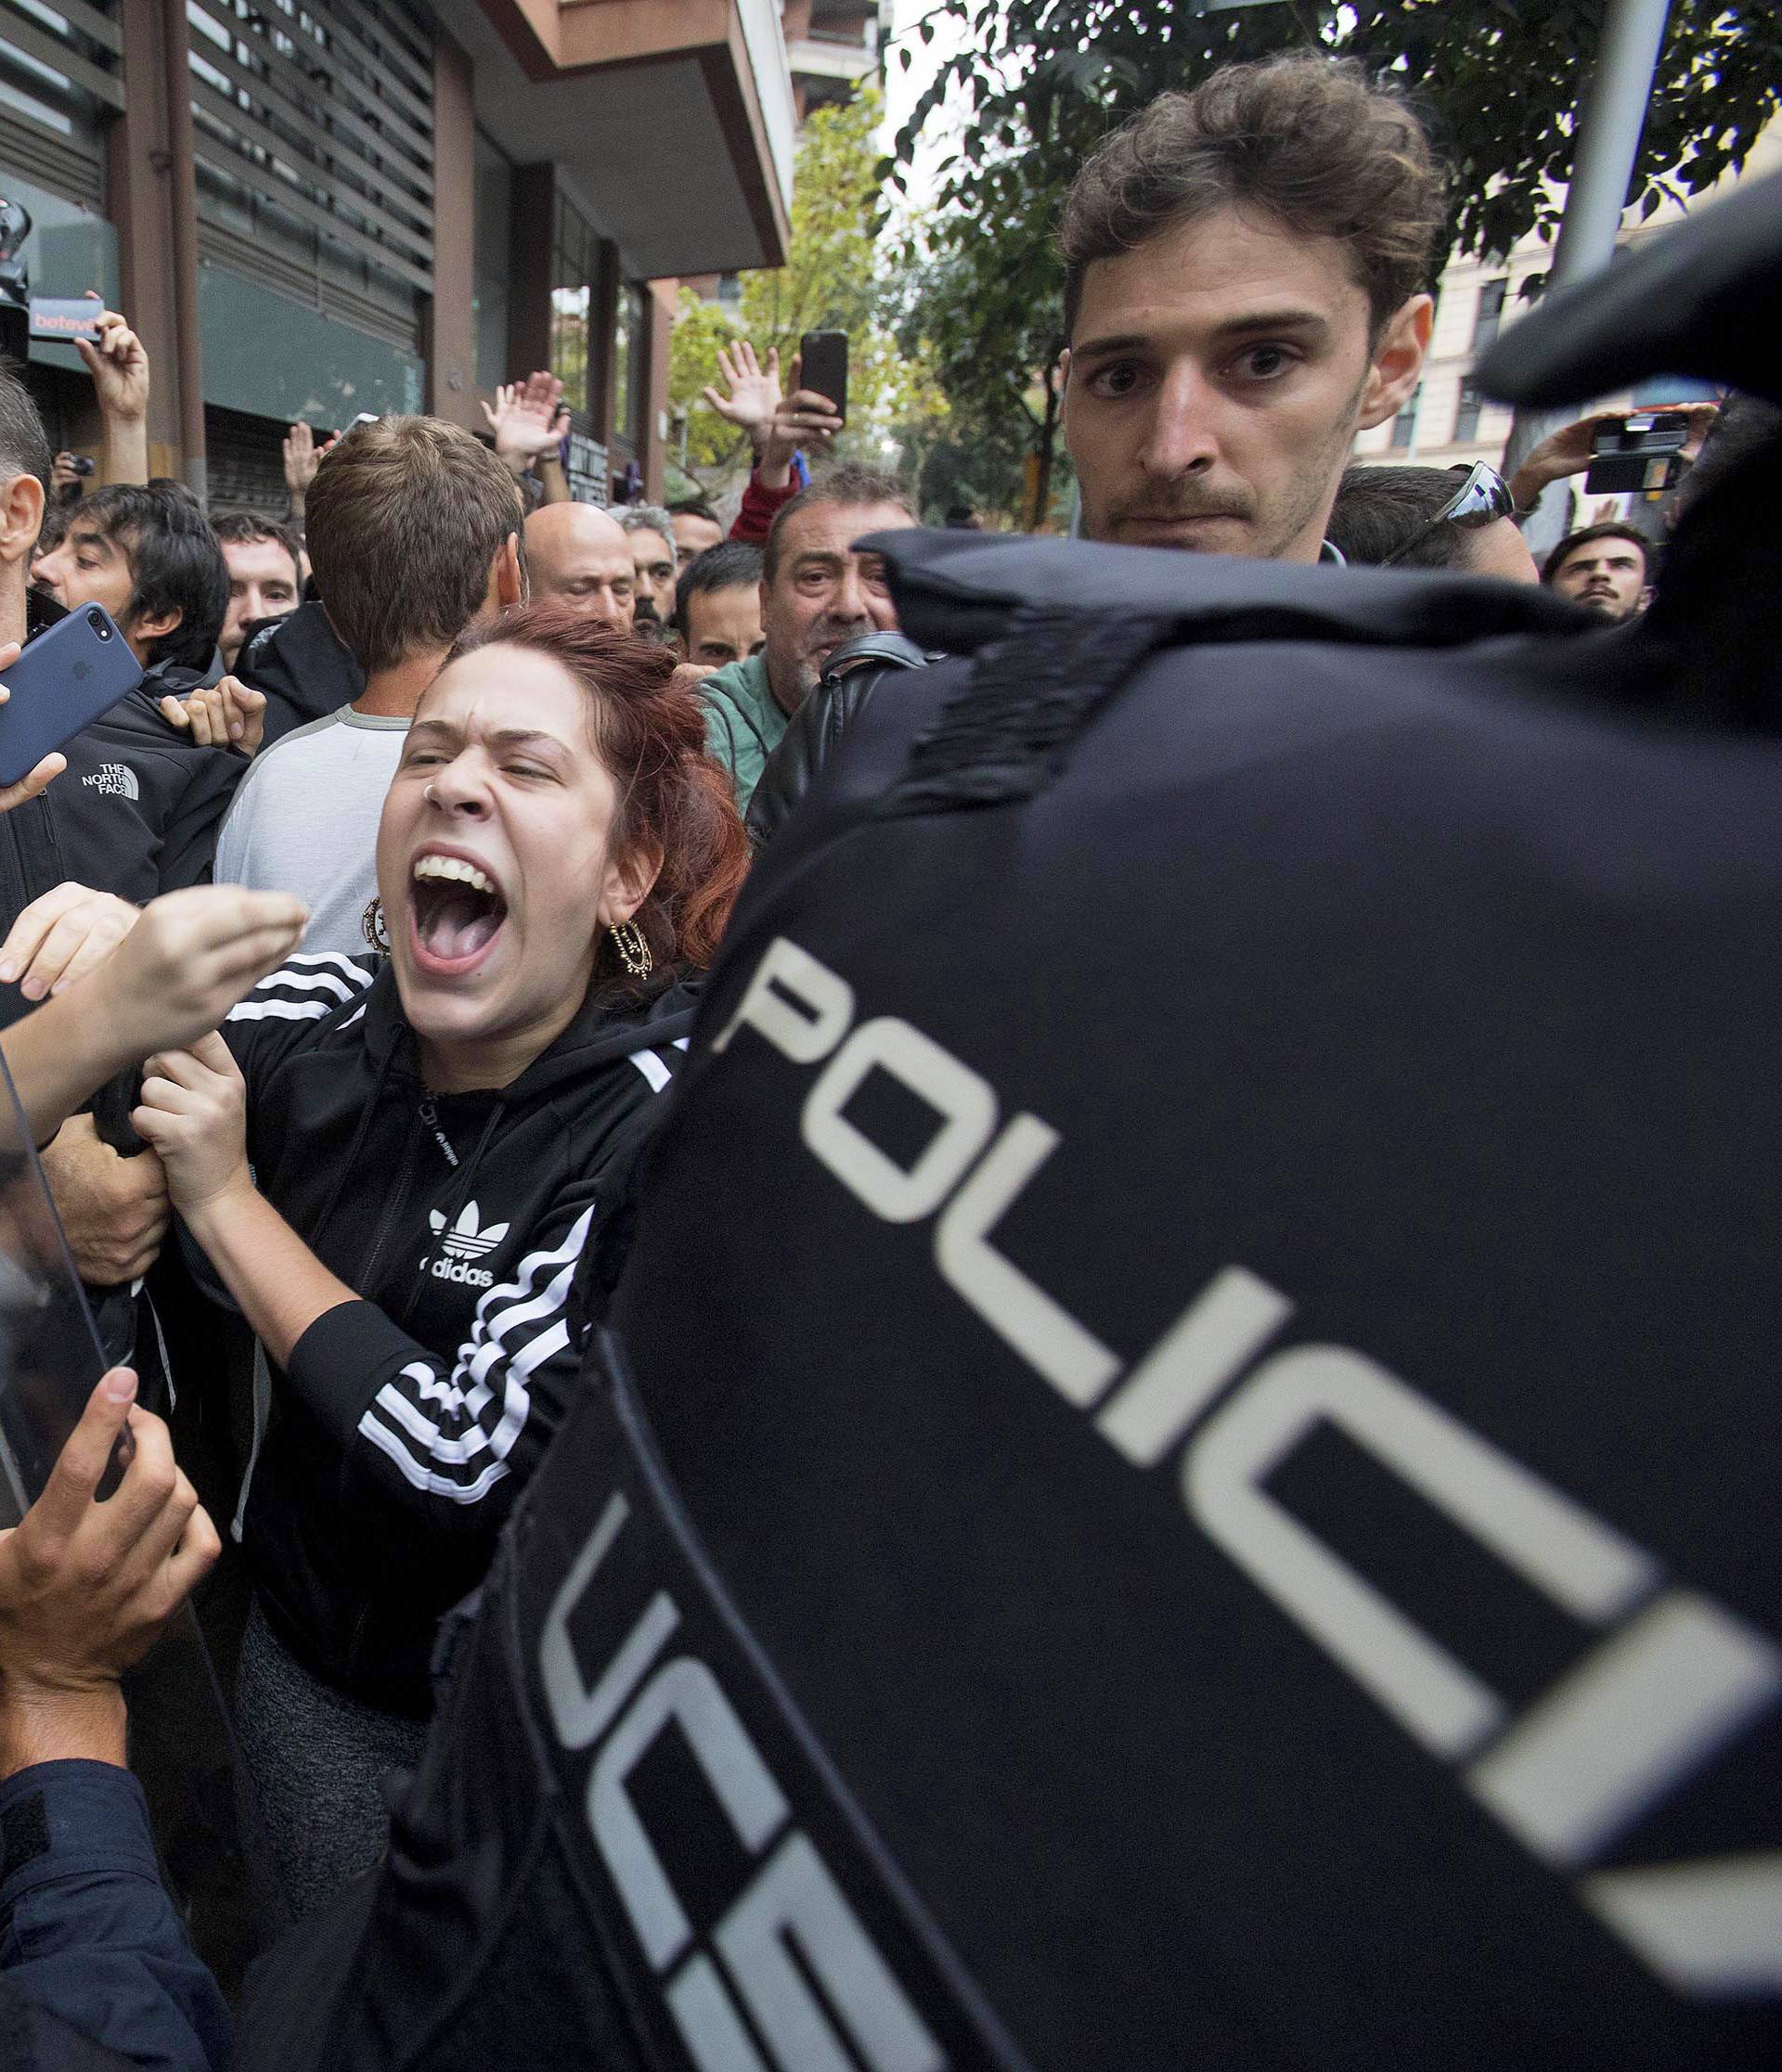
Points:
(1245, 326)
(813, 556)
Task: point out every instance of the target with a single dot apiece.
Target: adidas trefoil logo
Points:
(465, 1241)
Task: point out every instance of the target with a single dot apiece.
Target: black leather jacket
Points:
(855, 672)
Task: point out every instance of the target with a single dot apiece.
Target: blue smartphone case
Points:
(62, 682)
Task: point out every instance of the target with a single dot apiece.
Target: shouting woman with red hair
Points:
(405, 1168)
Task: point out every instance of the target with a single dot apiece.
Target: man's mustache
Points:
(1177, 503)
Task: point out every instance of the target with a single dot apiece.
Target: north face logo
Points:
(465, 1241)
(116, 780)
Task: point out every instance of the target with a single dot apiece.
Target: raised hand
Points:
(804, 419)
(752, 391)
(303, 457)
(529, 418)
(1567, 451)
(189, 957)
(119, 365)
(62, 936)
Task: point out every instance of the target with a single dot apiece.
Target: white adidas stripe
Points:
(426, 1452)
(281, 1011)
(310, 982)
(355, 971)
(424, 1478)
(652, 1069)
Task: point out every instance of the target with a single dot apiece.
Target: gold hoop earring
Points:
(371, 927)
(634, 950)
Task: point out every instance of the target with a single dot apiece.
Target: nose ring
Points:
(427, 793)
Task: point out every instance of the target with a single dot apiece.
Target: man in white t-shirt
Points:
(414, 535)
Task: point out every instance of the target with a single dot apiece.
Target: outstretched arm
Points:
(172, 975)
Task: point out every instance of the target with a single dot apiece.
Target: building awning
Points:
(676, 117)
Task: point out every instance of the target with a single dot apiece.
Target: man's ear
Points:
(151, 626)
(1398, 361)
(509, 574)
(22, 517)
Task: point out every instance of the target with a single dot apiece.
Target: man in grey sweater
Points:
(414, 535)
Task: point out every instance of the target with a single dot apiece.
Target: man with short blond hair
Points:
(414, 532)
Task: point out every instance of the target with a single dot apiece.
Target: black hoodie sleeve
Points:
(456, 1437)
(188, 841)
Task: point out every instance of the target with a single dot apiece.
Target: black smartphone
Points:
(823, 367)
(1638, 453)
(61, 683)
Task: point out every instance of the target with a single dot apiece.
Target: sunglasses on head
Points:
(1481, 499)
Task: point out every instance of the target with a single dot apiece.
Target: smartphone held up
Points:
(822, 369)
(60, 684)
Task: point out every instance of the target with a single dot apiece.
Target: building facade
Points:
(1448, 422)
(322, 209)
(835, 47)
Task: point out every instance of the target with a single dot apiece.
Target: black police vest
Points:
(1185, 1471)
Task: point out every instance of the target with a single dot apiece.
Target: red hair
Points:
(675, 802)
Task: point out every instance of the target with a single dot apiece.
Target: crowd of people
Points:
(352, 967)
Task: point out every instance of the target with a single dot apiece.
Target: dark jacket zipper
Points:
(393, 1202)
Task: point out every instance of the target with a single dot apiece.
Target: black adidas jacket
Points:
(470, 1224)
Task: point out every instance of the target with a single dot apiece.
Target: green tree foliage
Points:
(1036, 83)
(829, 282)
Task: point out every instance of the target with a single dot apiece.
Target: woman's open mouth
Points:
(456, 911)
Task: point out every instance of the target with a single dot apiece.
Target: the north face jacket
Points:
(470, 1225)
(135, 813)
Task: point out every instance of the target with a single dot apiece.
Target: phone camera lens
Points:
(96, 621)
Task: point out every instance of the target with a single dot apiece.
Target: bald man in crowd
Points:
(579, 554)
